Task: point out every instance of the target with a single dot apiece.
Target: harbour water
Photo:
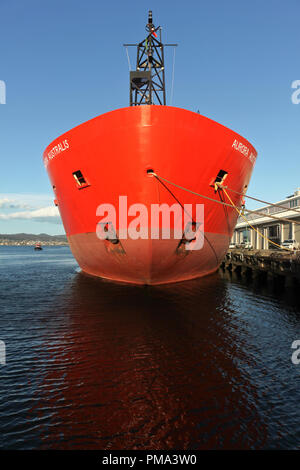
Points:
(204, 364)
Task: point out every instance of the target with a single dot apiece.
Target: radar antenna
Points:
(147, 82)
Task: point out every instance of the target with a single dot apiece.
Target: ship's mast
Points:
(147, 82)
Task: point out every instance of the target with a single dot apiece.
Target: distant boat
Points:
(38, 246)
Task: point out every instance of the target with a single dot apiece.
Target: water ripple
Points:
(90, 364)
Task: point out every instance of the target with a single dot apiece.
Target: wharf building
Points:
(276, 230)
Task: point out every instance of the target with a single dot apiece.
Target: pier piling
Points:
(282, 268)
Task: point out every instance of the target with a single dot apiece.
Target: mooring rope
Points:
(176, 199)
(173, 195)
(161, 179)
(260, 200)
(264, 214)
(257, 231)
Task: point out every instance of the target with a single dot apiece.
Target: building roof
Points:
(291, 202)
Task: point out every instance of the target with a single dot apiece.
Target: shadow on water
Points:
(285, 292)
(151, 368)
(96, 365)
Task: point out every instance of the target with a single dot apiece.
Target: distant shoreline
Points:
(31, 243)
(30, 239)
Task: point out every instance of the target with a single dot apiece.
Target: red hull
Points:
(113, 153)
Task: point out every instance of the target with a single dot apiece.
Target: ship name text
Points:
(244, 150)
(57, 149)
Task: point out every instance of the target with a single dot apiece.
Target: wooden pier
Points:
(268, 264)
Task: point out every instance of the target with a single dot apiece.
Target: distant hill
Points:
(41, 237)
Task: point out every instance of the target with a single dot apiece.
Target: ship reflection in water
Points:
(204, 364)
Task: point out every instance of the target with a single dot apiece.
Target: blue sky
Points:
(63, 63)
